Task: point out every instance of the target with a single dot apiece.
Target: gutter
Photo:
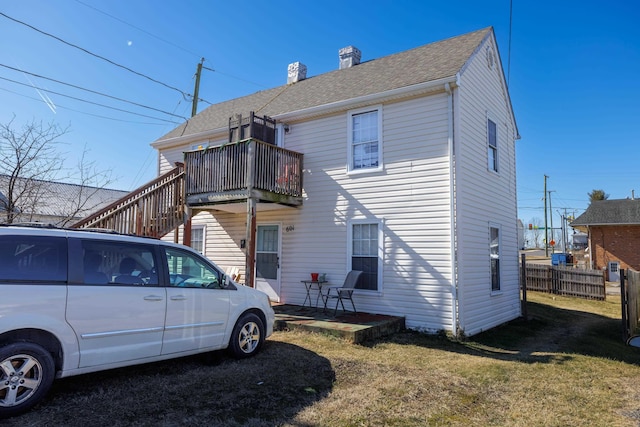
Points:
(318, 110)
(452, 219)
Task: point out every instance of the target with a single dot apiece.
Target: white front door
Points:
(614, 271)
(268, 260)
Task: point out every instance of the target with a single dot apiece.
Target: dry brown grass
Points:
(565, 366)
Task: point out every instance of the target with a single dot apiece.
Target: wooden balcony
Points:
(238, 171)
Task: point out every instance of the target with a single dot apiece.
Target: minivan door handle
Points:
(178, 298)
(153, 298)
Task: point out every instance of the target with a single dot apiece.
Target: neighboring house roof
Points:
(57, 198)
(610, 212)
(431, 62)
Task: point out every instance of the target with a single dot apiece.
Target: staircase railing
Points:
(154, 209)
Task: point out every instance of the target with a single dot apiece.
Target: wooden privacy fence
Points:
(630, 299)
(568, 281)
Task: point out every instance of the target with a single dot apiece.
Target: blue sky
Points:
(572, 68)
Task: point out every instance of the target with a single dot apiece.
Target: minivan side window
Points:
(114, 263)
(33, 259)
(189, 271)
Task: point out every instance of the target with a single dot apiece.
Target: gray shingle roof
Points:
(610, 212)
(58, 198)
(426, 63)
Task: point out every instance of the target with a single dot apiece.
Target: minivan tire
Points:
(21, 389)
(247, 336)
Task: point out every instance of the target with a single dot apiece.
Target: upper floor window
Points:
(492, 139)
(365, 139)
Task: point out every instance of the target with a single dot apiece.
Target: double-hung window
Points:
(494, 257)
(365, 139)
(197, 238)
(492, 139)
(366, 253)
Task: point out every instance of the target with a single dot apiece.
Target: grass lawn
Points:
(564, 366)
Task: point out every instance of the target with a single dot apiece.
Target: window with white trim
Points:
(492, 141)
(197, 238)
(365, 139)
(494, 257)
(366, 253)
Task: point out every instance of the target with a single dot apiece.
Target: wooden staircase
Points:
(154, 209)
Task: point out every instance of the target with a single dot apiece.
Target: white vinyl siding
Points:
(481, 196)
(412, 197)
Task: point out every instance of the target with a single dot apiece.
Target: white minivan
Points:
(73, 302)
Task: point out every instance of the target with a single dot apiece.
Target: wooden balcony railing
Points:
(151, 210)
(248, 168)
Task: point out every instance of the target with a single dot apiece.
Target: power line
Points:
(84, 100)
(186, 95)
(138, 28)
(91, 91)
(509, 52)
(172, 44)
(89, 114)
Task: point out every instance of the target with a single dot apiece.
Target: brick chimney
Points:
(296, 72)
(349, 56)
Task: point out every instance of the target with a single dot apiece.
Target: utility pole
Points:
(196, 90)
(553, 249)
(546, 228)
(186, 232)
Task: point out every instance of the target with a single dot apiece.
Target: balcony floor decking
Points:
(354, 327)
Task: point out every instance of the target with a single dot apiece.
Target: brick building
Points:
(613, 227)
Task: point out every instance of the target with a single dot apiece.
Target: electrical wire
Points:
(91, 91)
(185, 94)
(90, 114)
(169, 43)
(138, 28)
(84, 100)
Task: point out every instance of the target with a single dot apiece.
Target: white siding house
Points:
(408, 174)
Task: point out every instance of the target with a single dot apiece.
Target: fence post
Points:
(623, 303)
(523, 261)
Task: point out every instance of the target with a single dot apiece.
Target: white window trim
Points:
(499, 227)
(280, 132)
(202, 227)
(488, 117)
(350, 115)
(380, 223)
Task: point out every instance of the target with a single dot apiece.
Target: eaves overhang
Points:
(321, 110)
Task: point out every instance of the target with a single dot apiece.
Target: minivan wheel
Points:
(247, 336)
(26, 374)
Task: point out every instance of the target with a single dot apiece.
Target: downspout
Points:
(452, 219)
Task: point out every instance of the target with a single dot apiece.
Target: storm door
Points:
(268, 260)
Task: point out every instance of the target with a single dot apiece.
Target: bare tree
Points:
(30, 160)
(91, 181)
(534, 236)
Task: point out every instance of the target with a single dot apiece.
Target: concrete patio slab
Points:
(354, 327)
